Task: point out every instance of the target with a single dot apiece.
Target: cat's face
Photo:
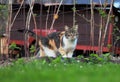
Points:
(71, 33)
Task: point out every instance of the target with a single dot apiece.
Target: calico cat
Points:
(59, 43)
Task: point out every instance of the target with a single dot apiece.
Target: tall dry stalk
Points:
(9, 21)
(74, 12)
(100, 31)
(9, 18)
(102, 41)
(48, 11)
(29, 15)
(16, 14)
(3, 25)
(92, 25)
(107, 23)
(53, 21)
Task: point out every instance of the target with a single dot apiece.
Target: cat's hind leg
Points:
(49, 52)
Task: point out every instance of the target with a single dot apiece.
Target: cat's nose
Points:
(73, 37)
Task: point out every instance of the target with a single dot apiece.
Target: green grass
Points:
(42, 71)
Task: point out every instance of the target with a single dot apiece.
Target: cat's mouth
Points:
(72, 39)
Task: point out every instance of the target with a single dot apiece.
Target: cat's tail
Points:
(31, 33)
(26, 31)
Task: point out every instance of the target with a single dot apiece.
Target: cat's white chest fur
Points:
(69, 46)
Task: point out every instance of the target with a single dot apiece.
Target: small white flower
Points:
(55, 65)
(99, 65)
(81, 66)
(49, 64)
(78, 61)
(65, 64)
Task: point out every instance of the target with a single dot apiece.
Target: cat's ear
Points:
(66, 28)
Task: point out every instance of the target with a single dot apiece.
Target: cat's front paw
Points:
(62, 51)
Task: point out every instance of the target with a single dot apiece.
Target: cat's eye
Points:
(77, 34)
(69, 35)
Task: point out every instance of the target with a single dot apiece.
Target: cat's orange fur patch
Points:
(62, 51)
(52, 44)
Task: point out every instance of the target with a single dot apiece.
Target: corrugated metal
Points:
(67, 2)
(85, 1)
(70, 2)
